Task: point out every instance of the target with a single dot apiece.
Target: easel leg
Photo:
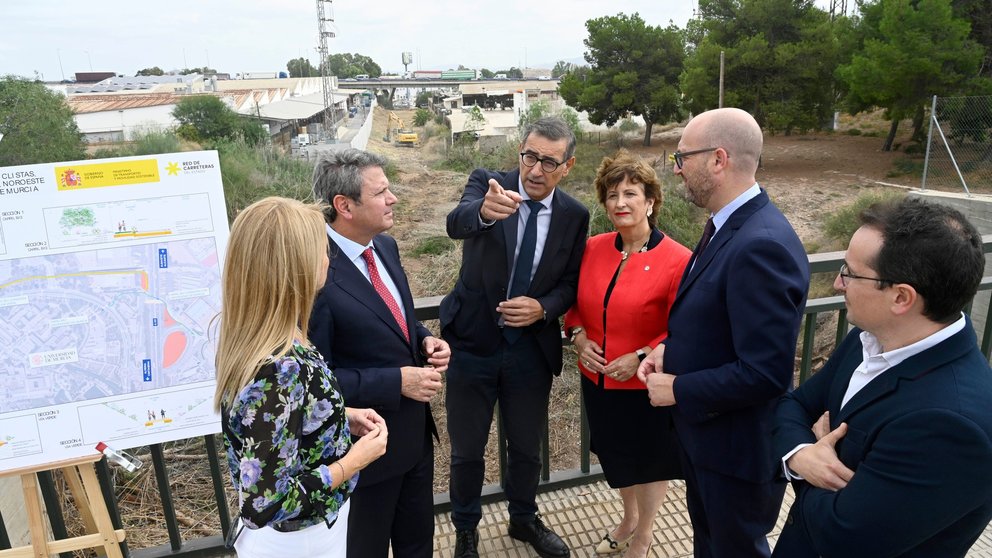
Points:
(36, 524)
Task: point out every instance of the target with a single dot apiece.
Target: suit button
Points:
(790, 520)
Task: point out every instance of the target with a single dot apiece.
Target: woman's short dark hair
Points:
(627, 165)
(932, 247)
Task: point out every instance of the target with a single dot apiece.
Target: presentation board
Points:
(110, 275)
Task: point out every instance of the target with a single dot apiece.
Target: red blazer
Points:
(637, 314)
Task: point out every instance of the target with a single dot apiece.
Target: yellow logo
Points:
(172, 169)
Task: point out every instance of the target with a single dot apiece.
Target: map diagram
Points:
(110, 278)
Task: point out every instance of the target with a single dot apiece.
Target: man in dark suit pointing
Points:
(363, 325)
(524, 240)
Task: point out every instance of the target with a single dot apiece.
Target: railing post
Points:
(809, 335)
(165, 493)
(218, 481)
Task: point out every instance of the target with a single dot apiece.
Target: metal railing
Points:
(427, 309)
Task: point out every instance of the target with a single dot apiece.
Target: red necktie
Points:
(380, 288)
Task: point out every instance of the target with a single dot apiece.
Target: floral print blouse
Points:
(282, 433)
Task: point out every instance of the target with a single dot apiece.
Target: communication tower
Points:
(326, 32)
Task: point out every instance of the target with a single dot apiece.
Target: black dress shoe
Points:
(467, 544)
(544, 540)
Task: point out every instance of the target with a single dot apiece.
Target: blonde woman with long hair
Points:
(286, 428)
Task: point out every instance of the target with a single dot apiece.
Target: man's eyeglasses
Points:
(679, 158)
(845, 276)
(547, 164)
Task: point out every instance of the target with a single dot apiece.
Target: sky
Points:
(57, 38)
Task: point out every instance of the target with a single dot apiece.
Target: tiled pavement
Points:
(583, 514)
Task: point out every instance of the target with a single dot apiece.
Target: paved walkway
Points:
(582, 515)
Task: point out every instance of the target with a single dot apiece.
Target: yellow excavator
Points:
(402, 135)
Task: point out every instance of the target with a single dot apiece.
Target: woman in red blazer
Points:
(627, 284)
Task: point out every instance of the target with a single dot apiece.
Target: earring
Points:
(650, 211)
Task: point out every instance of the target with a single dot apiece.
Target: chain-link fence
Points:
(959, 147)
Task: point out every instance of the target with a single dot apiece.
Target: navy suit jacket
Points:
(732, 340)
(469, 320)
(919, 441)
(357, 335)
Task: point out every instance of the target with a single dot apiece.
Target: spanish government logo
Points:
(70, 178)
(172, 169)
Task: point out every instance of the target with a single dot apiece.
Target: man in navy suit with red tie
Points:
(363, 325)
(523, 243)
(731, 338)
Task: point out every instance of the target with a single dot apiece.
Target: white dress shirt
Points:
(874, 363)
(353, 251)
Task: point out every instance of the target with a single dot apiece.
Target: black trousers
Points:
(399, 509)
(517, 377)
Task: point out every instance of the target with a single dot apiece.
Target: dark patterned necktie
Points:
(525, 264)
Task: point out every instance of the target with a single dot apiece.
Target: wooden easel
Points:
(80, 474)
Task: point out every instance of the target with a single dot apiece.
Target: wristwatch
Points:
(641, 355)
(573, 332)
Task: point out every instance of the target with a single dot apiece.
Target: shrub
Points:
(433, 246)
(841, 224)
(421, 117)
(854, 132)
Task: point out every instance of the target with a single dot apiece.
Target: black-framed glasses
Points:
(547, 164)
(679, 157)
(846, 275)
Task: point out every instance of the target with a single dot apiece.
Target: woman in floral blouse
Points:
(286, 427)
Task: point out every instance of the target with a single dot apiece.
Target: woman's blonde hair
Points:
(270, 280)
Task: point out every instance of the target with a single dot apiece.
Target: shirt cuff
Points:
(789, 473)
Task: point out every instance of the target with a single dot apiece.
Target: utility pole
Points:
(325, 71)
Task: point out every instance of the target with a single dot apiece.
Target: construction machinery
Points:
(400, 133)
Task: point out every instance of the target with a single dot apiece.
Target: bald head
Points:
(732, 129)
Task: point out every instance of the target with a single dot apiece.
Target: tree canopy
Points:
(634, 69)
(913, 49)
(779, 58)
(204, 118)
(37, 125)
(345, 65)
(301, 67)
(153, 71)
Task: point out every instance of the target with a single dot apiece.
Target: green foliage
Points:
(779, 61)
(421, 117)
(37, 125)
(462, 156)
(541, 108)
(907, 166)
(840, 226)
(301, 67)
(204, 71)
(424, 98)
(486, 73)
(205, 118)
(854, 132)
(153, 71)
(252, 173)
(634, 70)
(913, 49)
(513, 73)
(561, 68)
(433, 245)
(345, 65)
